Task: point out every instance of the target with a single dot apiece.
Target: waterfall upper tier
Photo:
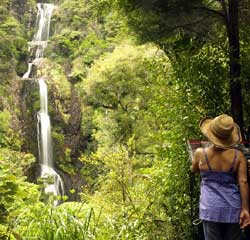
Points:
(40, 39)
(43, 21)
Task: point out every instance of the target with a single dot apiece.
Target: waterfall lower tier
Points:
(44, 139)
(55, 185)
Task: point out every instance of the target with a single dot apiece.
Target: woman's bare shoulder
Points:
(199, 152)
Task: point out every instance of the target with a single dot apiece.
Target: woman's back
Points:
(219, 159)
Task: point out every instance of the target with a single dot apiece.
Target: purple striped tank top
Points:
(220, 199)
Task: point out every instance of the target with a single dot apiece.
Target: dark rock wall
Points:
(73, 129)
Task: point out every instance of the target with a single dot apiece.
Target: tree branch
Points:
(109, 107)
(207, 9)
(224, 7)
(190, 24)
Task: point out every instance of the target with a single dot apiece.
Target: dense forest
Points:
(128, 82)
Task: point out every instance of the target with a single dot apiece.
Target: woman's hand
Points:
(244, 218)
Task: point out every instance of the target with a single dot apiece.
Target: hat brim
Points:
(232, 140)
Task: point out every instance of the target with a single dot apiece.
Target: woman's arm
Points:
(244, 190)
(198, 154)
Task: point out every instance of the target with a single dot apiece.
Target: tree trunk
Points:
(234, 62)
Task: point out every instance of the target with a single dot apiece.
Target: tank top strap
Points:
(208, 164)
(234, 161)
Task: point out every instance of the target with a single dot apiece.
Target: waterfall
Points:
(27, 74)
(43, 22)
(40, 38)
(39, 42)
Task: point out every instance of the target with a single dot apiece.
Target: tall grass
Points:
(69, 221)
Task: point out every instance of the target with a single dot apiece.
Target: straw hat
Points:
(222, 131)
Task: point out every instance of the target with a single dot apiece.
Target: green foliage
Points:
(135, 107)
(245, 73)
(91, 48)
(150, 108)
(13, 45)
(74, 13)
(4, 118)
(157, 20)
(67, 42)
(121, 92)
(120, 218)
(203, 79)
(16, 193)
(8, 137)
(68, 221)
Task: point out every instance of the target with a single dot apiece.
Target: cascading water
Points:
(39, 41)
(45, 143)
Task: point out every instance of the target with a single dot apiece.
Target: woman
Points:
(224, 198)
